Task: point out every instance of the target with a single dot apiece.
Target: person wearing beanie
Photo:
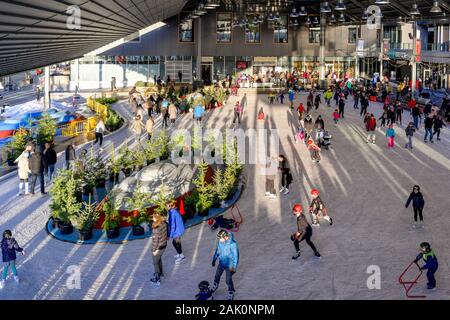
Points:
(431, 263)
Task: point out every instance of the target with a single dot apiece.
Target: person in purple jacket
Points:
(175, 230)
(9, 247)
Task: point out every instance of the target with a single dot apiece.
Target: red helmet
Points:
(211, 222)
(297, 208)
(315, 192)
(310, 142)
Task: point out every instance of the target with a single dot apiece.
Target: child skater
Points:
(390, 134)
(336, 116)
(9, 248)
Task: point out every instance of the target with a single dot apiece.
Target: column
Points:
(413, 60)
(323, 23)
(47, 88)
(199, 49)
(356, 67)
(77, 75)
(381, 52)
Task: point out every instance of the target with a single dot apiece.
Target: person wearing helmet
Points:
(418, 203)
(9, 247)
(315, 150)
(431, 263)
(205, 292)
(317, 209)
(309, 126)
(227, 251)
(304, 232)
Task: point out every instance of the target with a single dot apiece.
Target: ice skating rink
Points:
(364, 186)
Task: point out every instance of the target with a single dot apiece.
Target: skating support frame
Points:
(240, 221)
(407, 285)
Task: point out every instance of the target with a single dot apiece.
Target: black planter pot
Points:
(138, 231)
(149, 162)
(85, 234)
(113, 233)
(100, 184)
(189, 213)
(127, 172)
(65, 228)
(88, 191)
(114, 177)
(56, 222)
(79, 196)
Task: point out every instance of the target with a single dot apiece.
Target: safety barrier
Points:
(98, 108)
(76, 128)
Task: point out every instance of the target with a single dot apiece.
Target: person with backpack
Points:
(9, 248)
(390, 134)
(418, 203)
(237, 112)
(409, 130)
(175, 231)
(431, 263)
(304, 232)
(159, 245)
(227, 252)
(283, 167)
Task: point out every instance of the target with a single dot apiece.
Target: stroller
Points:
(325, 139)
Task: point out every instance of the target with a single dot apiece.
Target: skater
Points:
(415, 111)
(336, 116)
(390, 134)
(227, 251)
(327, 96)
(23, 163)
(304, 232)
(205, 292)
(271, 97)
(398, 112)
(281, 97)
(409, 130)
(437, 126)
(283, 167)
(237, 112)
(390, 115)
(315, 150)
(301, 111)
(9, 248)
(300, 134)
(309, 106)
(418, 203)
(172, 113)
(317, 209)
(198, 113)
(99, 130)
(176, 231)
(319, 125)
(159, 244)
(317, 101)
(431, 263)
(364, 104)
(341, 107)
(337, 92)
(271, 172)
(291, 99)
(383, 118)
(428, 123)
(164, 112)
(356, 100)
(309, 125)
(149, 126)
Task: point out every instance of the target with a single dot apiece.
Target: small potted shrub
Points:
(86, 220)
(114, 167)
(112, 220)
(163, 201)
(150, 151)
(190, 204)
(138, 205)
(205, 194)
(164, 145)
(139, 159)
(126, 161)
(219, 189)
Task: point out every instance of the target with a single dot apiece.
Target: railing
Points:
(400, 46)
(75, 128)
(438, 46)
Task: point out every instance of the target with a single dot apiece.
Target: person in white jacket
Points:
(24, 170)
(99, 130)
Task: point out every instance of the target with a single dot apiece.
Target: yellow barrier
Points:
(76, 128)
(98, 108)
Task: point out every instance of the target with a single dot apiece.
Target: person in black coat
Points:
(437, 126)
(418, 203)
(50, 159)
(9, 247)
(70, 155)
(341, 107)
(159, 245)
(37, 171)
(283, 167)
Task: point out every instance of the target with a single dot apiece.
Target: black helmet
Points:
(223, 234)
(7, 233)
(426, 246)
(203, 286)
(416, 187)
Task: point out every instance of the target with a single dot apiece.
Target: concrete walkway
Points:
(364, 187)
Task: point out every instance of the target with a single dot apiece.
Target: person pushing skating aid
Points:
(431, 263)
(317, 209)
(304, 232)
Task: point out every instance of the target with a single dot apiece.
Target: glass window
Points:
(186, 32)
(314, 35)
(280, 30)
(223, 27)
(351, 35)
(252, 31)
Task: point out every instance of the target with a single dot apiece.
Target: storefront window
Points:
(351, 35)
(223, 27)
(186, 32)
(280, 33)
(314, 35)
(252, 31)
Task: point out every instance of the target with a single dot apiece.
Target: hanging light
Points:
(415, 11)
(293, 23)
(201, 10)
(236, 23)
(325, 8)
(212, 4)
(382, 2)
(444, 17)
(302, 12)
(294, 13)
(341, 17)
(435, 8)
(332, 18)
(308, 21)
(340, 6)
(277, 16)
(315, 21)
(271, 17)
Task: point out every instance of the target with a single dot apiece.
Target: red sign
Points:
(418, 49)
(241, 64)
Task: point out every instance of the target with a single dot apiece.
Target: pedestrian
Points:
(9, 248)
(172, 113)
(37, 171)
(99, 131)
(300, 134)
(428, 123)
(137, 127)
(159, 244)
(415, 111)
(70, 155)
(176, 230)
(180, 76)
(133, 105)
(317, 101)
(309, 126)
(50, 159)
(317, 209)
(398, 112)
(337, 92)
(237, 112)
(418, 203)
(336, 116)
(164, 112)
(149, 127)
(271, 97)
(437, 126)
(390, 134)
(227, 251)
(270, 173)
(198, 113)
(314, 149)
(301, 111)
(23, 163)
(304, 232)
(390, 115)
(284, 169)
(431, 263)
(341, 107)
(409, 130)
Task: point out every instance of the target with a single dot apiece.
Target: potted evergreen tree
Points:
(164, 145)
(219, 188)
(85, 220)
(205, 195)
(112, 220)
(150, 151)
(126, 161)
(138, 205)
(114, 167)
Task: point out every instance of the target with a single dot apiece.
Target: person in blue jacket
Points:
(431, 263)
(9, 247)
(175, 230)
(198, 113)
(291, 98)
(418, 203)
(227, 252)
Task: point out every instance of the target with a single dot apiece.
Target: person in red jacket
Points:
(301, 111)
(371, 125)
